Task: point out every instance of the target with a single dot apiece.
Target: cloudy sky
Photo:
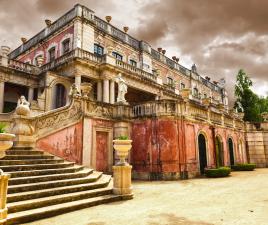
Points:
(220, 37)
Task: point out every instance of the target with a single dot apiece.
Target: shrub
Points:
(2, 128)
(244, 167)
(218, 172)
(122, 138)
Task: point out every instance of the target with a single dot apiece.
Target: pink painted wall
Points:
(102, 151)
(66, 143)
(173, 143)
(44, 47)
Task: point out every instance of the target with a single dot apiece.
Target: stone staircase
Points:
(43, 185)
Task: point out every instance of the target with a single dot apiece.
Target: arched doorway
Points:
(59, 96)
(231, 151)
(202, 153)
(219, 152)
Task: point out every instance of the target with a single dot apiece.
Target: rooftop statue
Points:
(122, 89)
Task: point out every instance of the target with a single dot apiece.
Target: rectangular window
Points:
(170, 81)
(98, 50)
(66, 46)
(133, 63)
(117, 56)
(182, 85)
(52, 55)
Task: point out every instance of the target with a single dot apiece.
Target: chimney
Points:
(159, 49)
(163, 51)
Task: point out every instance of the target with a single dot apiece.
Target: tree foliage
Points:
(247, 101)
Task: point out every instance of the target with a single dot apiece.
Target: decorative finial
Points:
(126, 29)
(23, 39)
(48, 22)
(108, 18)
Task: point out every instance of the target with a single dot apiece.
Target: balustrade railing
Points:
(198, 113)
(157, 108)
(216, 118)
(134, 69)
(24, 67)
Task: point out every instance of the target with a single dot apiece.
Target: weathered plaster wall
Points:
(169, 146)
(66, 143)
(43, 48)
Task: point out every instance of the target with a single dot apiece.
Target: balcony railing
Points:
(134, 69)
(20, 66)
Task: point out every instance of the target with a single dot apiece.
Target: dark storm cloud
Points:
(219, 36)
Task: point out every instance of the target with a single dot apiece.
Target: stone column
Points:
(2, 89)
(106, 91)
(112, 92)
(30, 94)
(99, 91)
(3, 200)
(78, 82)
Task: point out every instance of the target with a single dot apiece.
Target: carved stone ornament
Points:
(122, 89)
(74, 91)
(23, 107)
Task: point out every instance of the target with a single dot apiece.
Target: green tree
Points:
(247, 101)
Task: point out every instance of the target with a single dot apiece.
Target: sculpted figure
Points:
(74, 90)
(122, 89)
(23, 107)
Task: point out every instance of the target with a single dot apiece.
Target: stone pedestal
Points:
(122, 180)
(3, 197)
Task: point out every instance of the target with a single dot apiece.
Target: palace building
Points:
(179, 120)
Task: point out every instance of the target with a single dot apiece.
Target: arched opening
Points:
(202, 153)
(219, 152)
(59, 96)
(231, 151)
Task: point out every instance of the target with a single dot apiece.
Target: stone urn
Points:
(6, 142)
(122, 148)
(86, 89)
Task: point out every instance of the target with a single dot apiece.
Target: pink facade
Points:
(170, 146)
(43, 48)
(66, 143)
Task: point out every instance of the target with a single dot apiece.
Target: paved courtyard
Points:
(239, 199)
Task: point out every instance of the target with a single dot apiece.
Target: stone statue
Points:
(74, 90)
(23, 107)
(122, 89)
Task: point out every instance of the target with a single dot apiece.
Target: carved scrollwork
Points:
(60, 117)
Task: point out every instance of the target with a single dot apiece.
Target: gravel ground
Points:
(239, 199)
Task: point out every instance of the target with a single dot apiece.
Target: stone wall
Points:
(257, 143)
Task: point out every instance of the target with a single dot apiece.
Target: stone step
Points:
(50, 184)
(52, 177)
(34, 161)
(24, 152)
(26, 157)
(56, 199)
(49, 211)
(100, 183)
(10, 168)
(31, 173)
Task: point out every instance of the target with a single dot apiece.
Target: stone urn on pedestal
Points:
(122, 170)
(6, 142)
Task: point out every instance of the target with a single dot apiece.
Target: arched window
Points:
(202, 149)
(182, 85)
